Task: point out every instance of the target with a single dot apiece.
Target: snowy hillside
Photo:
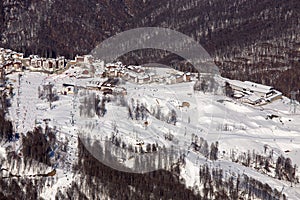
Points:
(152, 126)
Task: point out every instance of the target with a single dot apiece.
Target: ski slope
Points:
(214, 117)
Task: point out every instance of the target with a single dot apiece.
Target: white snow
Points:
(236, 126)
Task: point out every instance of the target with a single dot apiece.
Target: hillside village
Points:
(73, 126)
(11, 61)
(140, 110)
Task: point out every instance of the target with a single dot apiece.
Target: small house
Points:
(68, 89)
(17, 65)
(88, 59)
(187, 77)
(179, 78)
(61, 63)
(26, 61)
(8, 66)
(79, 59)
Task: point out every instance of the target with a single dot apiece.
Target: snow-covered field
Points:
(236, 126)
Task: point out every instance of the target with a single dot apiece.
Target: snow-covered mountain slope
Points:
(152, 118)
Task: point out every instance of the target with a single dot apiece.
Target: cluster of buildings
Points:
(131, 73)
(254, 93)
(87, 67)
(45, 64)
(83, 59)
(12, 61)
(143, 75)
(109, 86)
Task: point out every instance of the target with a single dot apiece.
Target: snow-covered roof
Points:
(144, 77)
(236, 83)
(257, 85)
(277, 94)
(254, 98)
(247, 85)
(110, 65)
(131, 74)
(68, 84)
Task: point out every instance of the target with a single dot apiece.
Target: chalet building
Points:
(36, 63)
(61, 62)
(121, 73)
(27, 61)
(50, 64)
(39, 62)
(112, 72)
(14, 61)
(53, 64)
(178, 78)
(17, 65)
(16, 55)
(254, 93)
(8, 66)
(126, 76)
(130, 73)
(46, 64)
(136, 69)
(8, 51)
(68, 89)
(142, 79)
(88, 59)
(132, 77)
(173, 79)
(146, 79)
(79, 59)
(187, 77)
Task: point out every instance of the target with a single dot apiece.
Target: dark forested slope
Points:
(234, 32)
